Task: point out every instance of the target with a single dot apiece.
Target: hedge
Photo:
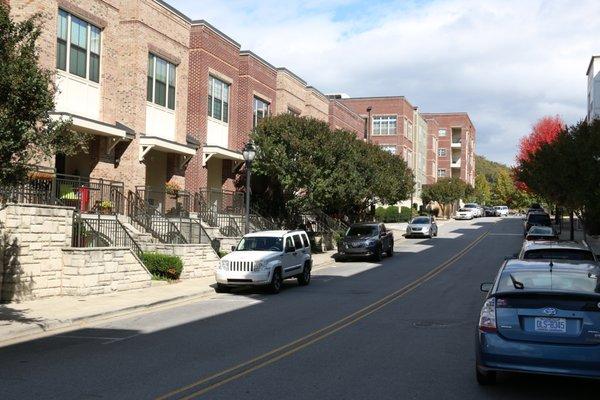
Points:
(163, 265)
(393, 214)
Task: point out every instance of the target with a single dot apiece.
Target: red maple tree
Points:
(543, 131)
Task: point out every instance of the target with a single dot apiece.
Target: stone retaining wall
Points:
(31, 243)
(199, 260)
(88, 271)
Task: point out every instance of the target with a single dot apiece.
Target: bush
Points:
(392, 214)
(405, 214)
(162, 265)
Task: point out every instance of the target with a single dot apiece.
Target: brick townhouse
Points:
(456, 145)
(432, 151)
(121, 72)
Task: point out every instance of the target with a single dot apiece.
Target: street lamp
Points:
(369, 109)
(249, 153)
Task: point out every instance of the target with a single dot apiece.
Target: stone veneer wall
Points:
(31, 243)
(199, 260)
(88, 271)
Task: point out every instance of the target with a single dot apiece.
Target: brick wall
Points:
(256, 79)
(93, 271)
(31, 243)
(210, 54)
(341, 117)
(462, 121)
(291, 93)
(432, 157)
(317, 105)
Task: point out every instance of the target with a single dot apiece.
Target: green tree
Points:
(503, 190)
(483, 192)
(302, 165)
(445, 191)
(27, 132)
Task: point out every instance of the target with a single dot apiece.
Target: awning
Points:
(92, 126)
(148, 143)
(220, 153)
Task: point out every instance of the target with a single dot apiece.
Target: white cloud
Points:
(506, 63)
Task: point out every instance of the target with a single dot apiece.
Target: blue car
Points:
(540, 317)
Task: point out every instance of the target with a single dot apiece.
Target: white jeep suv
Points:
(266, 258)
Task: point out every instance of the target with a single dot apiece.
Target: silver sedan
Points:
(422, 227)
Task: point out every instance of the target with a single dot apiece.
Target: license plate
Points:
(553, 325)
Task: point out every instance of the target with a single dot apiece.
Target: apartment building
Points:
(456, 145)
(431, 169)
(342, 117)
(593, 89)
(121, 72)
(420, 150)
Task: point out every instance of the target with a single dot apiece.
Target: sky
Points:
(507, 63)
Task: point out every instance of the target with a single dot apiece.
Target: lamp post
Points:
(249, 153)
(369, 109)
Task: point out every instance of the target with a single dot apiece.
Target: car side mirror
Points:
(290, 249)
(232, 248)
(486, 287)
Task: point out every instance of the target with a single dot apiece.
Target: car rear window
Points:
(298, 242)
(305, 240)
(542, 219)
(553, 281)
(558, 254)
(541, 230)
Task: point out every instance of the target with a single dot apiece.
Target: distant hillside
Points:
(488, 168)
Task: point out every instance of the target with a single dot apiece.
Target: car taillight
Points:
(487, 319)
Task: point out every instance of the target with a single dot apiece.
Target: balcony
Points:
(456, 144)
(455, 163)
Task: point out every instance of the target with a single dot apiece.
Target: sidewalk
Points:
(21, 320)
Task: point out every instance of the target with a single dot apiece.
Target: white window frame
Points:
(409, 130)
(442, 132)
(153, 101)
(266, 110)
(441, 173)
(88, 48)
(390, 148)
(442, 152)
(389, 121)
(224, 115)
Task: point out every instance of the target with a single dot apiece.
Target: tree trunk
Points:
(572, 227)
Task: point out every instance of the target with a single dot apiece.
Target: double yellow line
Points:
(211, 382)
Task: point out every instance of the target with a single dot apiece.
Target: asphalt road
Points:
(401, 329)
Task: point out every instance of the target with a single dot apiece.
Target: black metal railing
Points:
(260, 223)
(102, 231)
(85, 194)
(192, 230)
(171, 203)
(152, 220)
(219, 202)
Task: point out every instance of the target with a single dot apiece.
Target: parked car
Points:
(536, 219)
(541, 233)
(366, 240)
(501, 211)
(464, 213)
(540, 317)
(424, 226)
(477, 210)
(266, 258)
(489, 211)
(559, 250)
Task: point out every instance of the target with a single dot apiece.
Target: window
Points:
(293, 112)
(384, 125)
(218, 99)
(441, 173)
(390, 149)
(441, 152)
(409, 132)
(305, 240)
(409, 158)
(298, 242)
(78, 44)
(261, 110)
(160, 86)
(442, 132)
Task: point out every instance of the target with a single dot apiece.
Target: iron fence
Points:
(152, 220)
(219, 202)
(170, 203)
(102, 231)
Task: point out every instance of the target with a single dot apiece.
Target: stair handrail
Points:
(136, 206)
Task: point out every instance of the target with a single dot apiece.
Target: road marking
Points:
(221, 378)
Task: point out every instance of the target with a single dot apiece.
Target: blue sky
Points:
(507, 63)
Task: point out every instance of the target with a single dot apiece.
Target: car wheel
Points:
(377, 256)
(222, 288)
(485, 378)
(276, 282)
(390, 252)
(304, 277)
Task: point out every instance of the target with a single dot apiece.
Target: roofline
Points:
(451, 113)
(376, 98)
(590, 64)
(314, 89)
(337, 101)
(293, 75)
(174, 10)
(258, 58)
(201, 22)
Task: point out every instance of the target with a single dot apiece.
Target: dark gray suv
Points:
(369, 240)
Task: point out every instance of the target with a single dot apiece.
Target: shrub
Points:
(392, 214)
(405, 214)
(163, 265)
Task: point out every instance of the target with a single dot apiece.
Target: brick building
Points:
(121, 72)
(456, 145)
(342, 117)
(432, 151)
